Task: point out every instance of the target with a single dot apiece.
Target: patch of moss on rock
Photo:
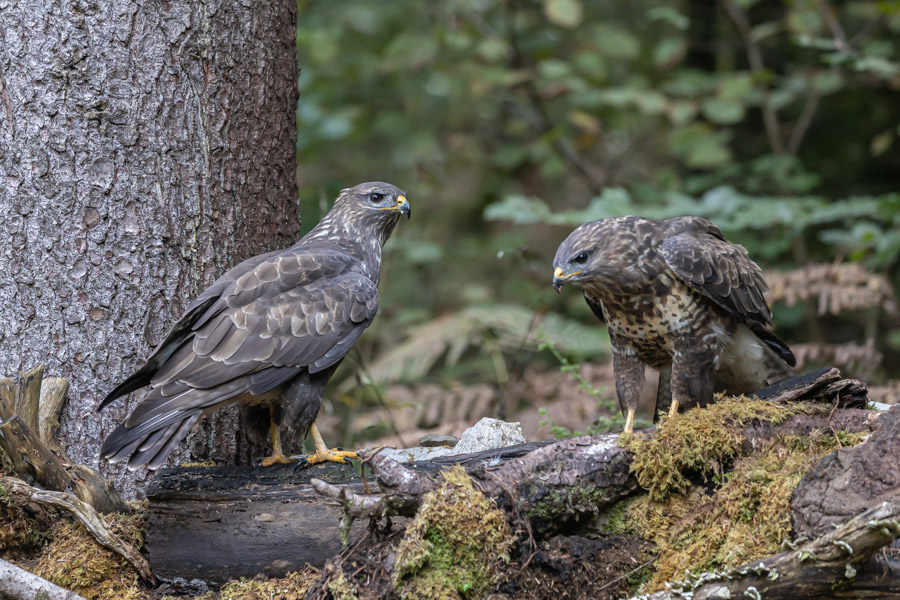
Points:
(74, 560)
(700, 440)
(746, 517)
(451, 546)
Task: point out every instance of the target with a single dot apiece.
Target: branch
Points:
(804, 121)
(19, 584)
(840, 38)
(85, 513)
(824, 567)
(754, 58)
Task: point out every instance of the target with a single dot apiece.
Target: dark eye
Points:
(580, 258)
(376, 197)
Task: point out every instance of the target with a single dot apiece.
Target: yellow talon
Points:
(277, 457)
(337, 456)
(323, 454)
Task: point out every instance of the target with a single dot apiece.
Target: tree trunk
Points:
(145, 148)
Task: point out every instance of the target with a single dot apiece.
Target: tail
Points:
(775, 343)
(160, 422)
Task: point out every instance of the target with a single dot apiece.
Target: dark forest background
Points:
(509, 123)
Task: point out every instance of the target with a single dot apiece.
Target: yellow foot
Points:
(673, 408)
(326, 455)
(277, 459)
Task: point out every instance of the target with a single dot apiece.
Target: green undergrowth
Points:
(746, 516)
(452, 545)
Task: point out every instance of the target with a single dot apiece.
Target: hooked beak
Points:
(404, 207)
(560, 277)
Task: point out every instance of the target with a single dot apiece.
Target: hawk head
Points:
(586, 255)
(374, 203)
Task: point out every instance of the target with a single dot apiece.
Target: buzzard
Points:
(675, 295)
(271, 331)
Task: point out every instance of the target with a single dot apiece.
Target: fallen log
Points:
(19, 584)
(216, 523)
(831, 566)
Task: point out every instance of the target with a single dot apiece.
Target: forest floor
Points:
(708, 494)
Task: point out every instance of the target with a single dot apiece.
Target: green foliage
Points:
(510, 122)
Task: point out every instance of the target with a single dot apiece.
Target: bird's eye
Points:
(376, 197)
(580, 258)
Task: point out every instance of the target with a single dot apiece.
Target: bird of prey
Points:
(675, 295)
(271, 331)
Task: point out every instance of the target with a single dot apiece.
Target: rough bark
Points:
(145, 147)
(846, 482)
(19, 584)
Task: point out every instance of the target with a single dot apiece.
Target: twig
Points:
(804, 121)
(628, 574)
(754, 58)
(840, 38)
(85, 513)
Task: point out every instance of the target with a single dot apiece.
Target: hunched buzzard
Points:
(675, 295)
(270, 331)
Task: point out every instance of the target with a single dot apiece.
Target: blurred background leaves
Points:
(510, 122)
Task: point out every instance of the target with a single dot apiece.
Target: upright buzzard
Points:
(271, 331)
(675, 295)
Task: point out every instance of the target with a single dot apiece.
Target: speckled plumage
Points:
(271, 330)
(675, 295)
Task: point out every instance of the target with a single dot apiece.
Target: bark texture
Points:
(848, 481)
(145, 147)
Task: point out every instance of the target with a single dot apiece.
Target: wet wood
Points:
(824, 385)
(221, 523)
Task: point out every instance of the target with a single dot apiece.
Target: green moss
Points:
(452, 544)
(746, 518)
(700, 440)
(577, 500)
(614, 520)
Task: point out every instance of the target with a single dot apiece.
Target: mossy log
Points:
(19, 584)
(835, 565)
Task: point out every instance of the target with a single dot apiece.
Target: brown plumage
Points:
(675, 295)
(272, 330)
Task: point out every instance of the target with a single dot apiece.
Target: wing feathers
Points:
(262, 324)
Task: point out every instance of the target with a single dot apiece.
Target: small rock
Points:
(433, 440)
(488, 434)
